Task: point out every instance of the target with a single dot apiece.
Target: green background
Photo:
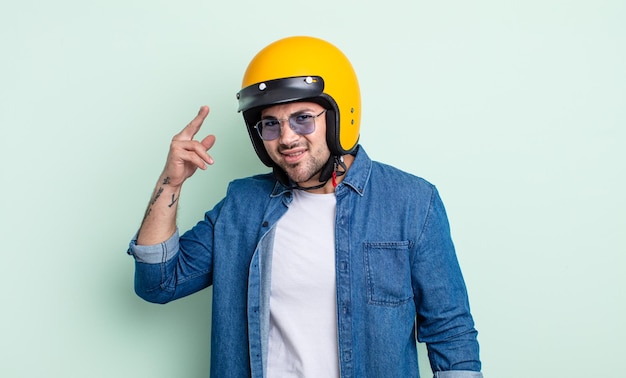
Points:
(516, 110)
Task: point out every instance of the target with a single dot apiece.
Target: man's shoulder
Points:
(386, 177)
(385, 171)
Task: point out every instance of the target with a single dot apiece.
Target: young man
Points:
(332, 265)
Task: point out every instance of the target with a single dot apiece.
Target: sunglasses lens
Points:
(269, 129)
(302, 123)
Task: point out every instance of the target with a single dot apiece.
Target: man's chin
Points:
(304, 179)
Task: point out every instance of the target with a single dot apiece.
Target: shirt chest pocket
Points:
(387, 273)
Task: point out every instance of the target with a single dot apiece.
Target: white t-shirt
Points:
(303, 305)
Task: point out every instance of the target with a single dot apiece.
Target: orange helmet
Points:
(303, 69)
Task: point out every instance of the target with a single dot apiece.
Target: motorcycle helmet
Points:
(303, 68)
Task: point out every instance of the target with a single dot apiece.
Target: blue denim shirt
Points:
(398, 278)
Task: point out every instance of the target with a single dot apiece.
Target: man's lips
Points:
(292, 155)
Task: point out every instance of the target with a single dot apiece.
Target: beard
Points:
(304, 171)
(308, 169)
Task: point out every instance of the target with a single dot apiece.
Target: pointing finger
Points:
(194, 126)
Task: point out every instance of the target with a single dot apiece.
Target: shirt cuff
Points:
(458, 374)
(154, 254)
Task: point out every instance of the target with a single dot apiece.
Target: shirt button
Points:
(347, 355)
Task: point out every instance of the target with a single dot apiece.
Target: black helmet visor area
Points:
(278, 91)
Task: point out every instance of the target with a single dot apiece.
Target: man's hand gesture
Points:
(187, 154)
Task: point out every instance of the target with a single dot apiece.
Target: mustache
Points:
(287, 147)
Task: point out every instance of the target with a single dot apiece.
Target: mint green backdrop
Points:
(516, 110)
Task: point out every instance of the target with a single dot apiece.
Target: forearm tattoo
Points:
(157, 195)
(174, 199)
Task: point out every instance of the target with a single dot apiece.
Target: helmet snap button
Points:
(308, 80)
(262, 86)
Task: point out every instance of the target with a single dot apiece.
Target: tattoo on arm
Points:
(174, 199)
(156, 196)
(158, 193)
(153, 201)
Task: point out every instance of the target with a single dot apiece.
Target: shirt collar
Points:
(359, 172)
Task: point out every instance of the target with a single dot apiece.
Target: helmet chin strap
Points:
(331, 170)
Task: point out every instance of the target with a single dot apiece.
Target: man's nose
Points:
(287, 135)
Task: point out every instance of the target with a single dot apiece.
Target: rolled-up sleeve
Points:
(154, 254)
(458, 374)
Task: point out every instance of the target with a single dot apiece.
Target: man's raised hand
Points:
(187, 154)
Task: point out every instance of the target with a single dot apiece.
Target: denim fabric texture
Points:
(398, 278)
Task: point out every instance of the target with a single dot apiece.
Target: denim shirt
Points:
(398, 278)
